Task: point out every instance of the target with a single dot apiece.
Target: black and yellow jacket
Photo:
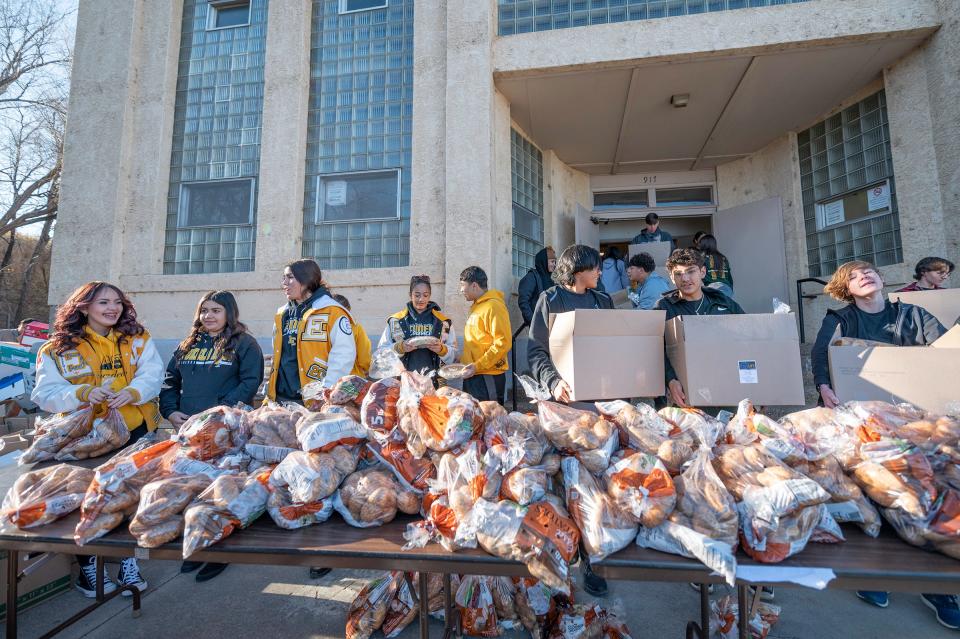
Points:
(430, 323)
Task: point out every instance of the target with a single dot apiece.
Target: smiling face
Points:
(292, 288)
(213, 317)
(105, 310)
(551, 261)
(688, 279)
(420, 297)
(587, 279)
(864, 282)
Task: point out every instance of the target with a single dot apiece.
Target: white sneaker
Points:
(87, 580)
(130, 576)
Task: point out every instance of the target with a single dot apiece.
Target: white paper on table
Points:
(817, 578)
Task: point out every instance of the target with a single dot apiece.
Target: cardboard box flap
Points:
(944, 304)
(608, 323)
(950, 339)
(761, 327)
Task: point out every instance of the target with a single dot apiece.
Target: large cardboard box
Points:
(45, 575)
(659, 251)
(609, 354)
(722, 359)
(13, 443)
(925, 376)
(15, 358)
(944, 304)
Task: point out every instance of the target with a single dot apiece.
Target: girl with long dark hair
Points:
(100, 354)
(218, 364)
(719, 275)
(421, 318)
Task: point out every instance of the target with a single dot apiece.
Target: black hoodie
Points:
(198, 380)
(288, 368)
(536, 281)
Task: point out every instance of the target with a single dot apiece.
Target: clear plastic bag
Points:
(438, 420)
(371, 497)
(678, 538)
(528, 484)
(55, 432)
(386, 363)
(311, 477)
(641, 427)
(533, 390)
(604, 527)
(43, 496)
(322, 432)
(369, 608)
(440, 524)
(725, 615)
(535, 605)
(588, 436)
(895, 474)
(467, 477)
(290, 515)
(378, 412)
(414, 473)
(230, 502)
(516, 438)
(159, 519)
(641, 487)
(108, 433)
(350, 389)
(847, 501)
(474, 600)
(214, 432)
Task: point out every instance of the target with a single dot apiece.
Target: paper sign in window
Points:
(748, 371)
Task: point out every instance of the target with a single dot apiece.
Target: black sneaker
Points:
(317, 573)
(130, 576)
(190, 566)
(209, 571)
(593, 584)
(87, 580)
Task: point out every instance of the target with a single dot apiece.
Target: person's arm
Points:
(386, 337)
(624, 280)
(172, 386)
(448, 355)
(538, 347)
(525, 293)
(148, 379)
(343, 351)
(52, 393)
(821, 349)
(650, 293)
(498, 325)
(249, 371)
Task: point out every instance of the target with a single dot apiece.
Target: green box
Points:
(17, 356)
(41, 584)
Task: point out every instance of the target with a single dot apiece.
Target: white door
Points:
(584, 230)
(751, 236)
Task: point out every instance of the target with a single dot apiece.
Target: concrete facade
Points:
(117, 156)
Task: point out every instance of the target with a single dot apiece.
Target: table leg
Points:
(13, 567)
(701, 630)
(448, 603)
(424, 606)
(100, 570)
(744, 611)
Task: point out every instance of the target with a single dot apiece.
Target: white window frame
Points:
(319, 207)
(214, 5)
(182, 212)
(342, 7)
(820, 206)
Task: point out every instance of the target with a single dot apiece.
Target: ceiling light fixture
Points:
(680, 100)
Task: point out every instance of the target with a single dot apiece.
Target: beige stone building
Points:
(209, 142)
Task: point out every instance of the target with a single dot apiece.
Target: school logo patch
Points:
(73, 365)
(317, 328)
(317, 372)
(345, 326)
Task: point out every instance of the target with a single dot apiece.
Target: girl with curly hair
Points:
(100, 354)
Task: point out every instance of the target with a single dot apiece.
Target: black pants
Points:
(487, 388)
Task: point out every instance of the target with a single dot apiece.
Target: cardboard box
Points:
(621, 301)
(722, 359)
(12, 387)
(15, 358)
(35, 333)
(659, 251)
(944, 304)
(45, 575)
(925, 376)
(13, 443)
(18, 424)
(604, 354)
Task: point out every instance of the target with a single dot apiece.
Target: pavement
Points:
(267, 601)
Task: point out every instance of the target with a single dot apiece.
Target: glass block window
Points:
(526, 171)
(849, 192)
(359, 120)
(524, 16)
(211, 203)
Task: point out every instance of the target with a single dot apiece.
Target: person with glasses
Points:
(930, 274)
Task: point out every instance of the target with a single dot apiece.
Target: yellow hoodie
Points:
(487, 337)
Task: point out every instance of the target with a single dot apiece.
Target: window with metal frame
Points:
(359, 119)
(226, 14)
(352, 6)
(848, 187)
(526, 170)
(525, 16)
(215, 156)
(364, 196)
(621, 199)
(684, 196)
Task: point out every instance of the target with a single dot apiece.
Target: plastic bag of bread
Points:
(467, 477)
(504, 595)
(42, 496)
(158, 519)
(535, 605)
(540, 535)
(213, 432)
(385, 363)
(588, 436)
(273, 432)
(702, 497)
(746, 425)
(404, 608)
(939, 531)
(230, 502)
(604, 527)
(791, 535)
(440, 524)
(311, 477)
(414, 473)
(378, 412)
(438, 420)
(322, 432)
(725, 618)
(474, 600)
(115, 489)
(641, 487)
(290, 515)
(847, 501)
(527, 484)
(817, 432)
(55, 432)
(369, 607)
(514, 432)
(586, 621)
(677, 536)
(107, 433)
(372, 497)
(895, 474)
(349, 389)
(640, 426)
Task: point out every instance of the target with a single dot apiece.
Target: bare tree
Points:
(30, 44)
